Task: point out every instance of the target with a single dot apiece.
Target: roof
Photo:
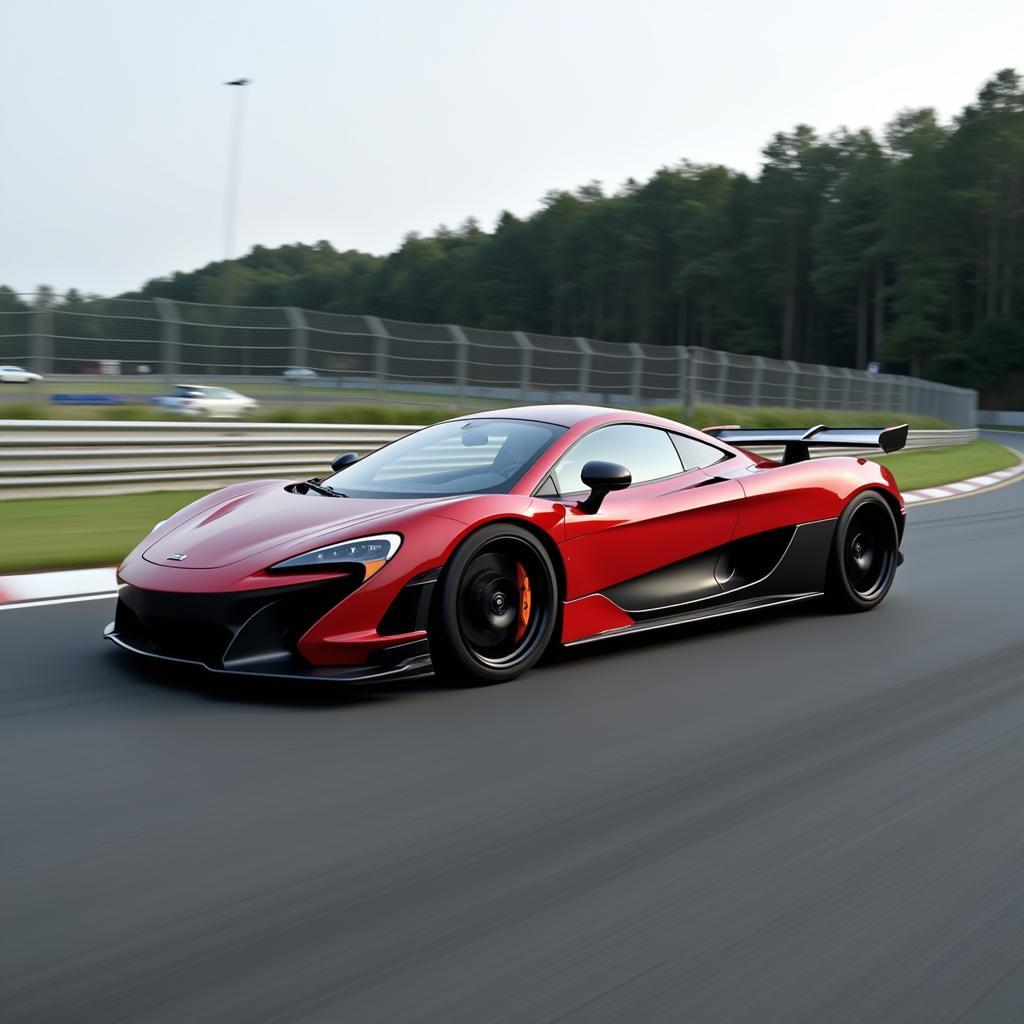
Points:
(562, 415)
(573, 415)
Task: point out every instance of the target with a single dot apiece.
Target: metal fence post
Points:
(525, 363)
(794, 370)
(723, 377)
(684, 364)
(381, 359)
(297, 322)
(823, 376)
(170, 337)
(636, 371)
(696, 391)
(755, 381)
(586, 357)
(42, 334)
(458, 336)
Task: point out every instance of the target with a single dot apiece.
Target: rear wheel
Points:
(496, 607)
(865, 554)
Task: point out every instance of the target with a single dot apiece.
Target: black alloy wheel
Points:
(496, 609)
(865, 554)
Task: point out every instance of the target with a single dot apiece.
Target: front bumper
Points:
(252, 633)
(415, 666)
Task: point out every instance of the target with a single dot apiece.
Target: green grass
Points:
(72, 533)
(936, 466)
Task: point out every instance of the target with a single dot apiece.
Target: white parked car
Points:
(18, 375)
(206, 402)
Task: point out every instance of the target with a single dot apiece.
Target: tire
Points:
(864, 555)
(495, 609)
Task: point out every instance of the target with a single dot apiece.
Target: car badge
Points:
(176, 557)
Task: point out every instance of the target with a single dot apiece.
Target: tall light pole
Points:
(234, 166)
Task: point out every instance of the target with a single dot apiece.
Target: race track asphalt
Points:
(796, 817)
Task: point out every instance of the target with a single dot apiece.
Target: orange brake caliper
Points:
(523, 585)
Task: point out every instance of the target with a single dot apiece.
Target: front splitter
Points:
(416, 666)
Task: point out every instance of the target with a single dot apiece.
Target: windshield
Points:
(478, 456)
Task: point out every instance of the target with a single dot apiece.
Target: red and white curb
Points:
(974, 483)
(41, 588)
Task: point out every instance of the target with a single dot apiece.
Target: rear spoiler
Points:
(798, 443)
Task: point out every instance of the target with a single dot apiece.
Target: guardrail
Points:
(39, 458)
(1004, 418)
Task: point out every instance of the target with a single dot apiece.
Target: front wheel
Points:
(864, 556)
(495, 611)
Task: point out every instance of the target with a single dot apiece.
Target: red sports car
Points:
(471, 546)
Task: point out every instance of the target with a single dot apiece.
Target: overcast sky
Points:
(367, 120)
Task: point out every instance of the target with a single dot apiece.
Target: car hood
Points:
(244, 525)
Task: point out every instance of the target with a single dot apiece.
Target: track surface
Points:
(797, 817)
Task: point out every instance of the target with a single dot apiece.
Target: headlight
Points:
(372, 553)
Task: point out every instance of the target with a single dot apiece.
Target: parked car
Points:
(206, 402)
(18, 375)
(297, 374)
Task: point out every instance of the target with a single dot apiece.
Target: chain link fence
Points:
(378, 359)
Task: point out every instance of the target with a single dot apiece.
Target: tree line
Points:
(907, 249)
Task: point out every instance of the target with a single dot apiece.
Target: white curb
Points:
(46, 587)
(955, 490)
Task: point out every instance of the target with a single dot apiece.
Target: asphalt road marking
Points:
(58, 600)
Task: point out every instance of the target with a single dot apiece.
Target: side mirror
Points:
(601, 478)
(344, 460)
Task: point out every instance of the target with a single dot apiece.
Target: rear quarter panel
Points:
(806, 492)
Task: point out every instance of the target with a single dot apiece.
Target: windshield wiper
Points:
(329, 492)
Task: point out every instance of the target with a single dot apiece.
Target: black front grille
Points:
(211, 628)
(175, 636)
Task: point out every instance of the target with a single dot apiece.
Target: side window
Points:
(696, 454)
(646, 452)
